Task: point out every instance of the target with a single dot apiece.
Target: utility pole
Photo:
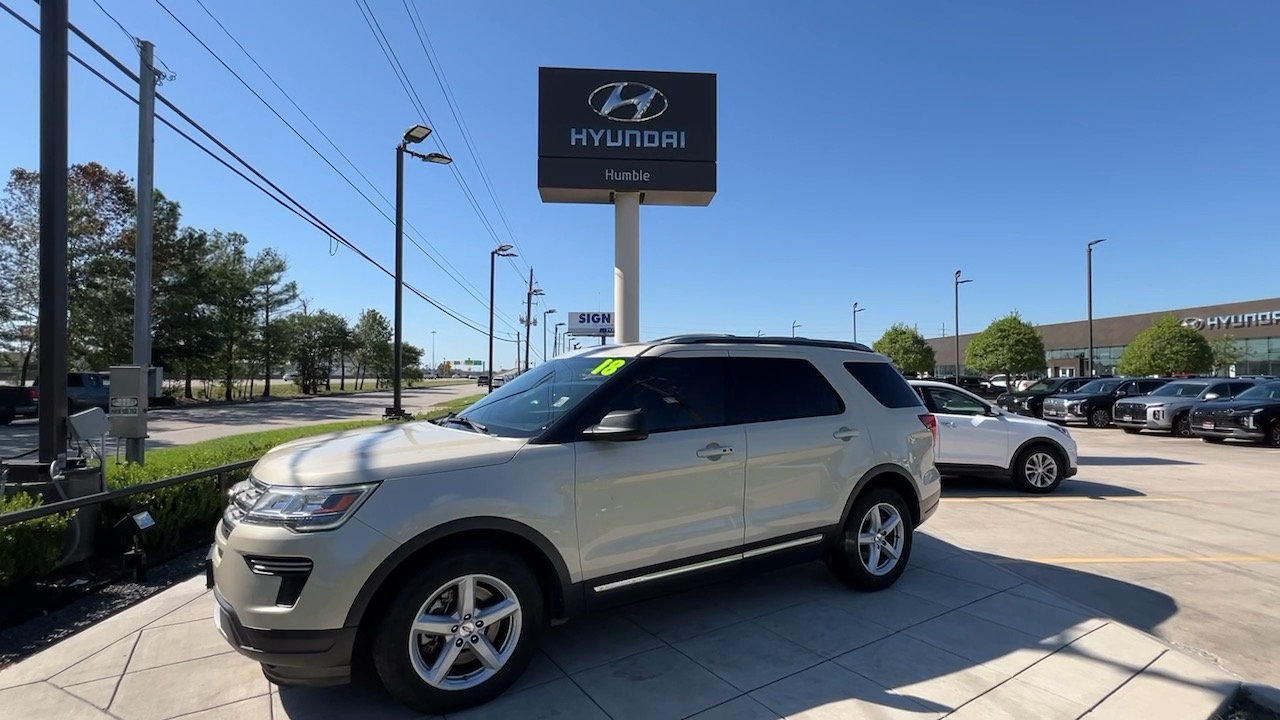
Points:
(528, 319)
(959, 361)
(135, 448)
(433, 349)
(1088, 261)
(52, 328)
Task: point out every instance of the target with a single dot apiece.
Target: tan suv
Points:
(440, 552)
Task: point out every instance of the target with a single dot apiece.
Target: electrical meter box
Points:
(130, 386)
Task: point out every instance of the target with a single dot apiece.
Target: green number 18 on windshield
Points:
(608, 367)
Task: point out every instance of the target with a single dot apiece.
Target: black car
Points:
(1028, 402)
(972, 383)
(1253, 415)
(1091, 403)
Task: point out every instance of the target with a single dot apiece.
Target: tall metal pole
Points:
(433, 349)
(1088, 262)
(135, 448)
(626, 267)
(53, 231)
(493, 257)
(528, 318)
(396, 411)
(956, 330)
(856, 310)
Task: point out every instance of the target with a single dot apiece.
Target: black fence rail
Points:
(222, 473)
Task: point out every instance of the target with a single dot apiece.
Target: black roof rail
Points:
(708, 338)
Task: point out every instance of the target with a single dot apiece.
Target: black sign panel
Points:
(628, 131)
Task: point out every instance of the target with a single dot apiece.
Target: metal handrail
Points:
(61, 506)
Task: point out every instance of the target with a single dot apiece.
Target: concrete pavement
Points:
(957, 637)
(171, 427)
(1170, 535)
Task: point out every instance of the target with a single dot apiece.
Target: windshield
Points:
(1045, 385)
(1180, 389)
(1099, 387)
(1266, 391)
(528, 404)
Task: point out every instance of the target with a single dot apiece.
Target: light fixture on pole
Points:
(494, 254)
(558, 338)
(1088, 272)
(415, 134)
(545, 313)
(795, 324)
(856, 310)
(956, 329)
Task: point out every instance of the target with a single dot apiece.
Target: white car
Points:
(977, 438)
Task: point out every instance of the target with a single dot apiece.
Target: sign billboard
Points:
(601, 131)
(590, 324)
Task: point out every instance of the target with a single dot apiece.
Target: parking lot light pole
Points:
(415, 134)
(856, 310)
(545, 313)
(959, 363)
(558, 338)
(1088, 275)
(795, 324)
(494, 254)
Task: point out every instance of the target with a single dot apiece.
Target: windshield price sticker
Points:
(608, 367)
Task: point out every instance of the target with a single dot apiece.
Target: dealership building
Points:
(1254, 325)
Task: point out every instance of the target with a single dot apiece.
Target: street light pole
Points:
(433, 349)
(1088, 272)
(956, 329)
(856, 310)
(559, 338)
(795, 324)
(504, 251)
(415, 134)
(545, 313)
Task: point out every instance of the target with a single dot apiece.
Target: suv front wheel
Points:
(460, 631)
(876, 541)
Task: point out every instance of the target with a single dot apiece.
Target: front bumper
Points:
(289, 657)
(1231, 433)
(1062, 415)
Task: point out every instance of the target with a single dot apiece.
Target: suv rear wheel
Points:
(1182, 425)
(876, 542)
(460, 631)
(1100, 418)
(1039, 469)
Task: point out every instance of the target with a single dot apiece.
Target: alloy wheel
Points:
(1100, 418)
(881, 536)
(1182, 426)
(465, 632)
(1040, 469)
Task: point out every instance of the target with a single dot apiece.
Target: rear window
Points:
(885, 384)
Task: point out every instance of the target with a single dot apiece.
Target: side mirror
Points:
(619, 426)
(994, 411)
(1122, 393)
(1211, 396)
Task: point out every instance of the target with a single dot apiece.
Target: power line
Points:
(406, 82)
(474, 293)
(300, 209)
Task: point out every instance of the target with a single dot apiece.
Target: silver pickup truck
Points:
(1168, 409)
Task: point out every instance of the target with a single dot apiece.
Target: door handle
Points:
(949, 423)
(845, 434)
(714, 453)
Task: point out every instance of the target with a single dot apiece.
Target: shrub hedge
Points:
(30, 549)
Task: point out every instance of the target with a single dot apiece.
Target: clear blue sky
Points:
(867, 150)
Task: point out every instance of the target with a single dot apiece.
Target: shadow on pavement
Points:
(1086, 460)
(950, 632)
(976, 487)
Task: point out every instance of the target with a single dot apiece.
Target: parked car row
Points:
(1211, 408)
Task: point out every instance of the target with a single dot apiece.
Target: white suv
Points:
(977, 438)
(440, 552)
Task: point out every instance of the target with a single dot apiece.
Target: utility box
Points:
(155, 382)
(130, 388)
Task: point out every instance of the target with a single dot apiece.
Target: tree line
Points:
(1011, 345)
(219, 313)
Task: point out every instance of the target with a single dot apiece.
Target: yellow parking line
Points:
(1143, 560)
(1061, 498)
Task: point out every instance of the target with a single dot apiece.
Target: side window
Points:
(954, 403)
(676, 393)
(1221, 390)
(1149, 386)
(75, 380)
(1237, 388)
(768, 389)
(1133, 387)
(885, 384)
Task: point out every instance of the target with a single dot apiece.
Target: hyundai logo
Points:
(628, 102)
(1194, 323)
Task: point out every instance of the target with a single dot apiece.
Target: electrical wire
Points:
(296, 207)
(474, 293)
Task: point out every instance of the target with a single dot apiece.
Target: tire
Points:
(1099, 418)
(1273, 436)
(1212, 440)
(510, 640)
(1039, 469)
(1132, 431)
(1182, 426)
(6, 418)
(847, 561)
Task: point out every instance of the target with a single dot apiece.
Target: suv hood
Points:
(1076, 397)
(1150, 400)
(1236, 405)
(380, 453)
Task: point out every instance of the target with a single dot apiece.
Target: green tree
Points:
(274, 294)
(317, 338)
(184, 340)
(906, 347)
(1226, 352)
(1010, 345)
(232, 306)
(373, 345)
(1165, 348)
(410, 363)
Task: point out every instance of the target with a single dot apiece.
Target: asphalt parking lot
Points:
(1169, 535)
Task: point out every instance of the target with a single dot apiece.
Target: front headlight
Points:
(1074, 408)
(307, 509)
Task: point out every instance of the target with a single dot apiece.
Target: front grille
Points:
(1220, 417)
(1130, 411)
